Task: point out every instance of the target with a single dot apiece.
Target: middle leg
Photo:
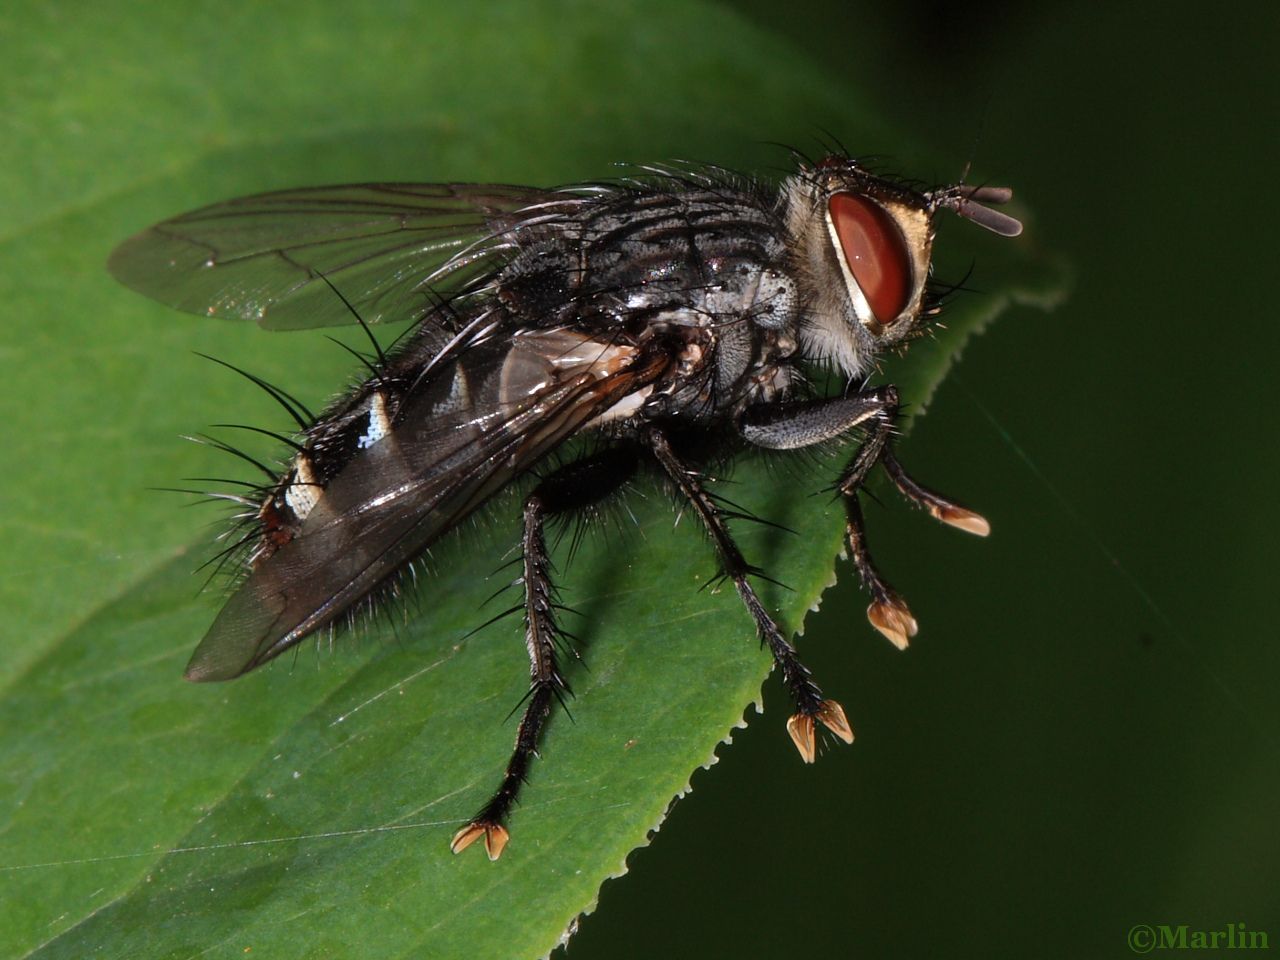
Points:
(810, 705)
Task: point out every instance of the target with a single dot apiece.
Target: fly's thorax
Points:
(861, 248)
(699, 276)
(644, 255)
(718, 366)
(539, 286)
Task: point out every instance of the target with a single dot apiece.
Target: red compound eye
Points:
(876, 253)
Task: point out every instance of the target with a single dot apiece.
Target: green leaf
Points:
(306, 809)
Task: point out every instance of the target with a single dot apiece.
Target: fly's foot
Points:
(960, 518)
(936, 504)
(801, 727)
(832, 716)
(891, 617)
(495, 837)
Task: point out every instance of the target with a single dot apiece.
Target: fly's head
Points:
(862, 245)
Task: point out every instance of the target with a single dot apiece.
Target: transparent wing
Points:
(485, 418)
(390, 248)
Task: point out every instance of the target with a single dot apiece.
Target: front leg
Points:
(787, 426)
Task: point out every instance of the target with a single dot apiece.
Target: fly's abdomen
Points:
(425, 455)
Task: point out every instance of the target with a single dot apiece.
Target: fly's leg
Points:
(789, 426)
(572, 487)
(888, 612)
(938, 506)
(810, 705)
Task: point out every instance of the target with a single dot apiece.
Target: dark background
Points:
(1085, 735)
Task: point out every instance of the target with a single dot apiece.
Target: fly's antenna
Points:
(967, 202)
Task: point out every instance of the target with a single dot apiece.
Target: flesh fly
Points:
(676, 313)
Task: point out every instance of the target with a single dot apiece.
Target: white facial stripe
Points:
(379, 422)
(859, 300)
(304, 493)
